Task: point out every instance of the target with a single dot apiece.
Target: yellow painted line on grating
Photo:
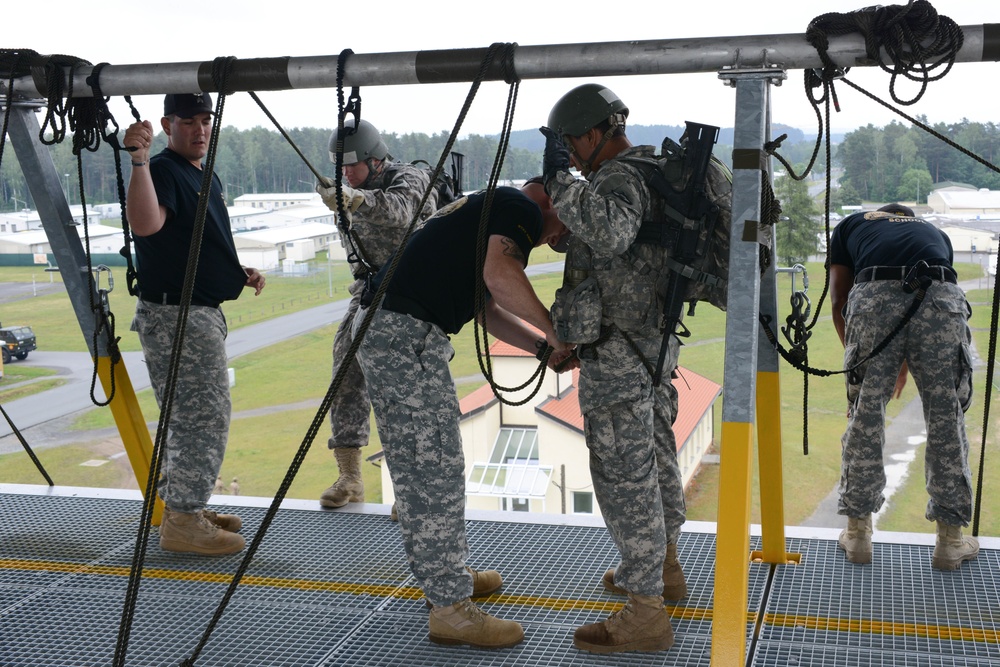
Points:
(404, 592)
(893, 628)
(864, 626)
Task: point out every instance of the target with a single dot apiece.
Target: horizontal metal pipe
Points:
(667, 56)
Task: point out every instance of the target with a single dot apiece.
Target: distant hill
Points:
(532, 140)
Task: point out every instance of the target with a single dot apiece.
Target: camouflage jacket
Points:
(604, 214)
(382, 220)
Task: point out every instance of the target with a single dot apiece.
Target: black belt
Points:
(901, 273)
(406, 306)
(166, 299)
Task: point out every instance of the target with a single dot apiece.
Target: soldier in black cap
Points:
(161, 206)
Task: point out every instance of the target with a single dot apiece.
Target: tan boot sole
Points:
(452, 641)
(949, 565)
(649, 645)
(333, 504)
(186, 548)
(676, 592)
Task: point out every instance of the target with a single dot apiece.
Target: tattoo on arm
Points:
(511, 249)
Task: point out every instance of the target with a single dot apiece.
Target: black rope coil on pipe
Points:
(914, 39)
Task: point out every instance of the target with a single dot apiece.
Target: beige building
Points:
(533, 457)
(958, 202)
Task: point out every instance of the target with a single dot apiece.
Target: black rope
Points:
(15, 60)
(320, 418)
(92, 123)
(27, 448)
(356, 251)
(291, 143)
(916, 41)
(505, 53)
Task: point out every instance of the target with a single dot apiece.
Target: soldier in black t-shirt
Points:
(880, 262)
(161, 205)
(405, 357)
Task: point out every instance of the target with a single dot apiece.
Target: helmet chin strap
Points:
(373, 171)
(617, 120)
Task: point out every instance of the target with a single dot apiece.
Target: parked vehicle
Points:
(17, 342)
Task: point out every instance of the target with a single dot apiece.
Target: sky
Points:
(120, 33)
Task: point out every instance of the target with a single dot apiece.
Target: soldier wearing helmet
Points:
(380, 199)
(608, 307)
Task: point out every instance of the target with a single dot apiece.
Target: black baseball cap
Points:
(187, 105)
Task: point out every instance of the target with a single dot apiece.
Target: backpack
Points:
(448, 186)
(690, 220)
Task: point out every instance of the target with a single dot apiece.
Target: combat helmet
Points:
(584, 107)
(362, 142)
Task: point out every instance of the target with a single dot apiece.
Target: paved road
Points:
(77, 367)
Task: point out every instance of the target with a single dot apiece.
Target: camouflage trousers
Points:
(199, 419)
(405, 362)
(633, 454)
(935, 347)
(350, 409)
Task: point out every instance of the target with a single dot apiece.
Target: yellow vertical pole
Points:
(131, 425)
(732, 546)
(772, 507)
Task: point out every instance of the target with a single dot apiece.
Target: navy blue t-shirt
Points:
(878, 238)
(161, 258)
(438, 268)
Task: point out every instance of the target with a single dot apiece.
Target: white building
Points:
(533, 457)
(27, 219)
(103, 239)
(268, 249)
(273, 201)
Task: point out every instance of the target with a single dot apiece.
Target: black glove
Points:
(556, 156)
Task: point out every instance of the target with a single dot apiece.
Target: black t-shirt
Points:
(437, 271)
(877, 238)
(161, 258)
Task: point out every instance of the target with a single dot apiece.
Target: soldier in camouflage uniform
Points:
(610, 304)
(161, 204)
(380, 197)
(405, 357)
(878, 260)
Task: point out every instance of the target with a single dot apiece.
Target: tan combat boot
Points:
(193, 533)
(484, 582)
(643, 624)
(349, 488)
(465, 623)
(229, 522)
(952, 548)
(856, 539)
(674, 585)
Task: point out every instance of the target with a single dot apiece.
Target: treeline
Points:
(259, 160)
(899, 162)
(888, 163)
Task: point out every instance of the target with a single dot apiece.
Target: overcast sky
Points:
(136, 32)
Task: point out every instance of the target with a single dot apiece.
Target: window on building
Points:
(515, 445)
(583, 502)
(512, 472)
(515, 505)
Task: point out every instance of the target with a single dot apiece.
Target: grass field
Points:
(263, 441)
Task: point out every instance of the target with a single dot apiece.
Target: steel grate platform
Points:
(330, 589)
